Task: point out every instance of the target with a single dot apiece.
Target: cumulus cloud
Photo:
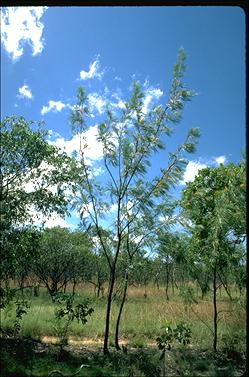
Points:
(51, 221)
(192, 170)
(220, 160)
(25, 91)
(93, 151)
(116, 101)
(94, 71)
(54, 106)
(20, 25)
(151, 94)
(56, 220)
(97, 102)
(120, 104)
(35, 181)
(193, 167)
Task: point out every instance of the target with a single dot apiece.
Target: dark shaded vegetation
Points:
(26, 357)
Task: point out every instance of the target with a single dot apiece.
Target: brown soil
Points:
(73, 341)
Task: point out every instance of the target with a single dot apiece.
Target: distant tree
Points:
(99, 272)
(17, 264)
(59, 258)
(172, 252)
(24, 243)
(81, 259)
(215, 204)
(167, 244)
(166, 250)
(141, 272)
(129, 141)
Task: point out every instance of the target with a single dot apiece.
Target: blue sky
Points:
(47, 53)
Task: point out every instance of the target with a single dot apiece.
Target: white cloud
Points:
(53, 135)
(120, 104)
(130, 206)
(94, 71)
(165, 219)
(25, 91)
(93, 151)
(113, 208)
(34, 180)
(191, 171)
(194, 166)
(53, 106)
(56, 220)
(220, 160)
(37, 219)
(20, 25)
(151, 94)
(98, 171)
(97, 102)
(138, 239)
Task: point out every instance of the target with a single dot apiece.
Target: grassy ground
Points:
(142, 321)
(143, 318)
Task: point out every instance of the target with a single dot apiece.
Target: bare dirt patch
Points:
(74, 341)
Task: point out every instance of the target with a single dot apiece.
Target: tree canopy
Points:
(35, 178)
(34, 174)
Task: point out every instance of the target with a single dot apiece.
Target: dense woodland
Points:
(187, 252)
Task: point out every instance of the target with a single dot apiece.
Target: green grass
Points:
(142, 320)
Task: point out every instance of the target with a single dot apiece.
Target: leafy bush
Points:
(181, 333)
(21, 306)
(67, 312)
(234, 344)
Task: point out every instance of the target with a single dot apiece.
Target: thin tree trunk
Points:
(157, 284)
(74, 286)
(173, 280)
(167, 286)
(65, 286)
(225, 285)
(21, 283)
(102, 291)
(120, 311)
(111, 284)
(54, 287)
(215, 308)
(99, 288)
(108, 309)
(168, 270)
(98, 291)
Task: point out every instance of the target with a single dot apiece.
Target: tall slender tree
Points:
(129, 141)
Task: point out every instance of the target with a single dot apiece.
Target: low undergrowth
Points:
(28, 358)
